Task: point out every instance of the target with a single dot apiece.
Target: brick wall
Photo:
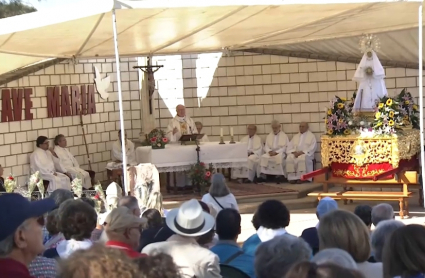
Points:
(17, 139)
(255, 89)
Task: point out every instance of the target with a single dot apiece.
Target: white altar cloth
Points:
(178, 158)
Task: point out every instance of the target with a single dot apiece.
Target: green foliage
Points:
(14, 7)
(201, 176)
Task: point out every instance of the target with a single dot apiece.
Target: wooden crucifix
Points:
(150, 70)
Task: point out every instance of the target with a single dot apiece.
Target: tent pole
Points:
(123, 145)
(421, 96)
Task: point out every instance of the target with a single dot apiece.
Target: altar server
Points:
(180, 125)
(116, 153)
(199, 127)
(273, 160)
(68, 161)
(42, 160)
(255, 150)
(300, 154)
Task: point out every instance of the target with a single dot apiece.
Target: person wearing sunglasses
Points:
(20, 233)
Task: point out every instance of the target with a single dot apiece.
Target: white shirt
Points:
(228, 201)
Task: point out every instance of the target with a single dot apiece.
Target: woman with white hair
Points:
(275, 257)
(336, 256)
(219, 196)
(380, 235)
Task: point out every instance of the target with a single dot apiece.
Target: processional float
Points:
(372, 140)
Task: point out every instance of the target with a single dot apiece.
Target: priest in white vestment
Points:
(180, 125)
(130, 153)
(199, 127)
(273, 159)
(62, 153)
(42, 160)
(300, 154)
(254, 151)
(370, 76)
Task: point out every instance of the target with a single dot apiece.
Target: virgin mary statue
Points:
(370, 75)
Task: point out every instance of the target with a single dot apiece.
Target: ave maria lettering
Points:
(62, 101)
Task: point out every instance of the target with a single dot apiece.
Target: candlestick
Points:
(221, 140)
(221, 132)
(231, 140)
(231, 131)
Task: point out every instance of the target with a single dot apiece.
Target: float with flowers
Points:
(372, 139)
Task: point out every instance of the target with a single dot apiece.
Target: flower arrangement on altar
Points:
(388, 118)
(337, 117)
(36, 181)
(10, 184)
(409, 110)
(157, 139)
(201, 175)
(77, 186)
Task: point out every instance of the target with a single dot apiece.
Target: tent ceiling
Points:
(146, 28)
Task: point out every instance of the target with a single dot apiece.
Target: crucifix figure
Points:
(150, 70)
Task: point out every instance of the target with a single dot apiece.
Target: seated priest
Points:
(42, 160)
(116, 153)
(300, 154)
(255, 150)
(273, 159)
(199, 127)
(180, 125)
(61, 152)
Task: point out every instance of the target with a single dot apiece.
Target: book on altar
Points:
(191, 137)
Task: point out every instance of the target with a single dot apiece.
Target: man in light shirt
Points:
(180, 125)
(273, 160)
(301, 154)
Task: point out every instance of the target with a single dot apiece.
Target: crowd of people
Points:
(61, 236)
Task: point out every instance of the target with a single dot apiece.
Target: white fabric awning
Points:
(155, 27)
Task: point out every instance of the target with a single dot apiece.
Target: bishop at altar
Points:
(69, 162)
(116, 153)
(300, 154)
(254, 151)
(273, 160)
(180, 125)
(42, 160)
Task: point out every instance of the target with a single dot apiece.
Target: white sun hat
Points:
(190, 220)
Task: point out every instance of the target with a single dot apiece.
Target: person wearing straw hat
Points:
(189, 222)
(123, 230)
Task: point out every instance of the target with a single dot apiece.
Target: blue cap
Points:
(15, 209)
(326, 205)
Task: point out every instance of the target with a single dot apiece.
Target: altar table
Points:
(178, 158)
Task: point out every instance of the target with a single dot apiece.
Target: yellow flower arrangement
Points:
(343, 99)
(389, 102)
(347, 132)
(405, 118)
(391, 114)
(415, 107)
(341, 120)
(340, 105)
(381, 105)
(407, 102)
(329, 112)
(378, 115)
(330, 131)
(391, 123)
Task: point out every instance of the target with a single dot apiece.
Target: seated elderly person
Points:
(300, 154)
(199, 127)
(123, 230)
(325, 205)
(76, 221)
(117, 153)
(274, 258)
(382, 212)
(254, 151)
(273, 217)
(336, 256)
(327, 270)
(219, 196)
(381, 234)
(364, 212)
(273, 159)
(131, 203)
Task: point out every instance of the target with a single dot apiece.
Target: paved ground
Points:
(305, 218)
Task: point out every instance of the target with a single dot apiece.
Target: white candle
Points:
(221, 132)
(231, 131)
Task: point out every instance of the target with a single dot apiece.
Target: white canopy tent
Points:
(158, 27)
